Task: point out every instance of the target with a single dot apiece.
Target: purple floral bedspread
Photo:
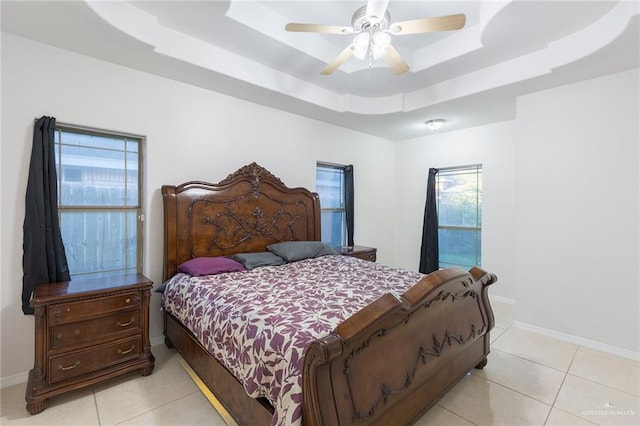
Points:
(258, 323)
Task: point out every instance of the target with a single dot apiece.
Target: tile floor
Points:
(530, 380)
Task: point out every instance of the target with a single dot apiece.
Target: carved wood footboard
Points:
(395, 358)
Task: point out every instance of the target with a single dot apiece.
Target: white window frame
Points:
(342, 209)
(63, 208)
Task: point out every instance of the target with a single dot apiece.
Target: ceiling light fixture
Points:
(372, 43)
(372, 40)
(435, 124)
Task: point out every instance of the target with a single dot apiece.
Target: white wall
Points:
(494, 147)
(561, 182)
(561, 208)
(578, 210)
(191, 134)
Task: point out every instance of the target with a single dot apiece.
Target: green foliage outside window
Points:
(459, 198)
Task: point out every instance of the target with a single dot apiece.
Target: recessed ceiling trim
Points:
(128, 19)
(456, 45)
(594, 37)
(165, 41)
(177, 45)
(503, 74)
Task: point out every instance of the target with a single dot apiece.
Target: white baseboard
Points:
(14, 380)
(592, 344)
(502, 299)
(155, 341)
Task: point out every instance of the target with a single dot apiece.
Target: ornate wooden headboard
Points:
(245, 212)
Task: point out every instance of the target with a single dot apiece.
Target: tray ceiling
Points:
(239, 47)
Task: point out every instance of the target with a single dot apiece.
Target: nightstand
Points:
(361, 252)
(88, 331)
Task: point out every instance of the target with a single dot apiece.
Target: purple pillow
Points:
(200, 266)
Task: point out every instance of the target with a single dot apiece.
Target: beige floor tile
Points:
(606, 369)
(495, 333)
(12, 401)
(503, 313)
(561, 418)
(135, 395)
(536, 347)
(438, 416)
(515, 388)
(192, 410)
(598, 403)
(163, 354)
(76, 408)
(486, 403)
(527, 377)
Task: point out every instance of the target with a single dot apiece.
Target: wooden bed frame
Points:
(386, 365)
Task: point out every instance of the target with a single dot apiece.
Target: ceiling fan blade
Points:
(376, 10)
(339, 60)
(318, 28)
(427, 25)
(395, 61)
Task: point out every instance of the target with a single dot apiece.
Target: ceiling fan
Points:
(373, 28)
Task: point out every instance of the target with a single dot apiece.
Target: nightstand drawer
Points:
(370, 256)
(87, 331)
(91, 308)
(71, 365)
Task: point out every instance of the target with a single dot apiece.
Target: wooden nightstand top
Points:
(361, 252)
(60, 291)
(356, 249)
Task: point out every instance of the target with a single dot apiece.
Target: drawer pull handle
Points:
(127, 351)
(125, 324)
(70, 367)
(127, 300)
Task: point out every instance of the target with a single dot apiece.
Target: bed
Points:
(387, 361)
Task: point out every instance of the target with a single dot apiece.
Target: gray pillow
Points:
(298, 250)
(255, 260)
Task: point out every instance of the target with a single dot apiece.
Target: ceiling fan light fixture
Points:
(382, 40)
(360, 53)
(361, 45)
(362, 40)
(379, 44)
(435, 124)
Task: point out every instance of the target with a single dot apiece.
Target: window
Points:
(330, 186)
(459, 195)
(99, 200)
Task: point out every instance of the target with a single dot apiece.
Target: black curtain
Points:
(348, 195)
(43, 259)
(429, 260)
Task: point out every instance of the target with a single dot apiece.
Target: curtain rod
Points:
(97, 130)
(325, 163)
(470, 166)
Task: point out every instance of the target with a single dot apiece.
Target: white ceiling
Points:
(239, 47)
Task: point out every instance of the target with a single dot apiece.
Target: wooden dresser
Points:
(87, 331)
(361, 252)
